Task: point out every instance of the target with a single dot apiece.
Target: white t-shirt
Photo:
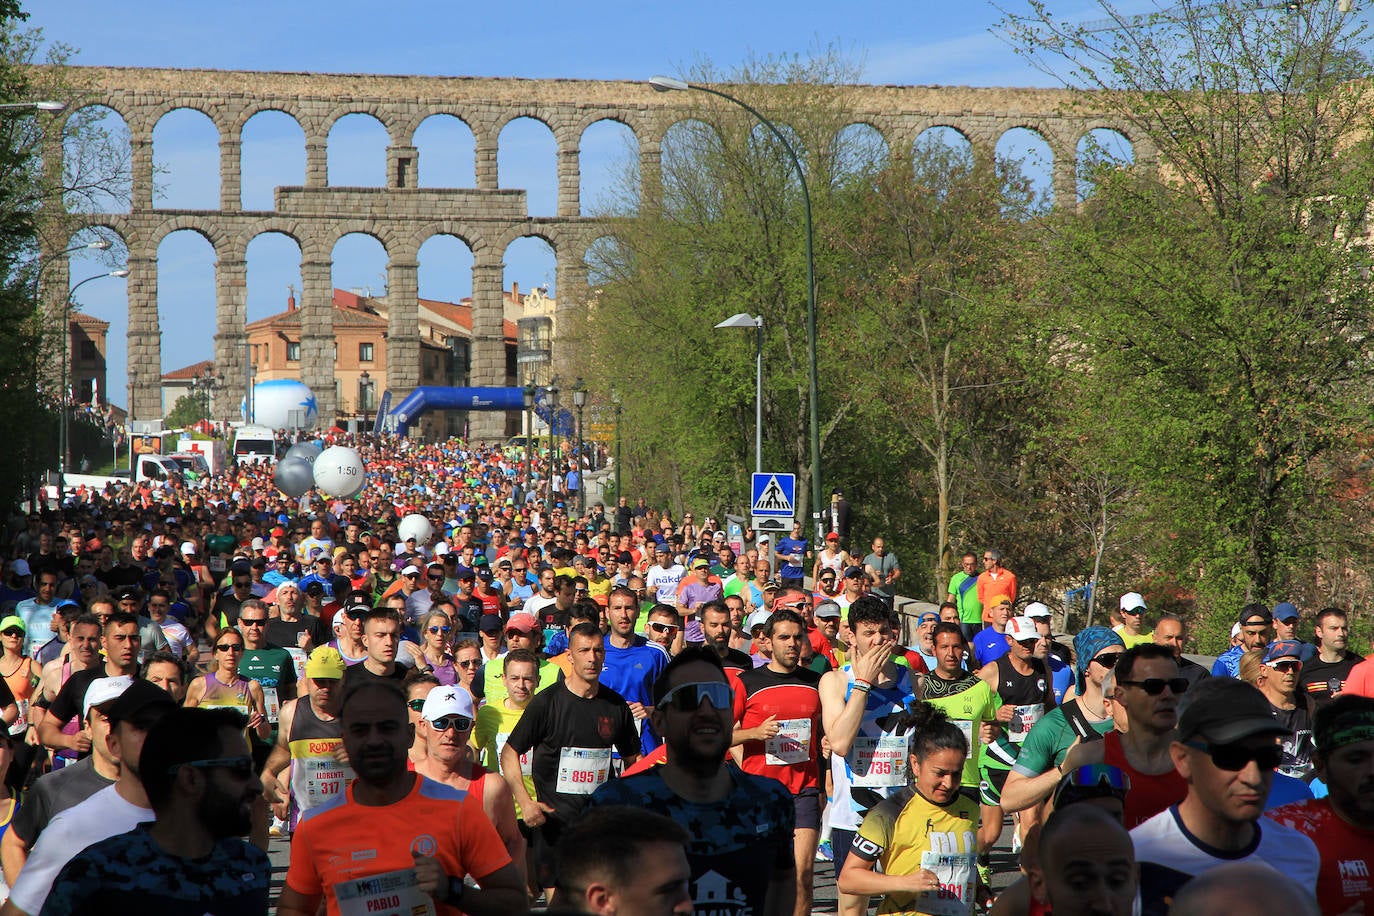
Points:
(1169, 856)
(664, 582)
(103, 815)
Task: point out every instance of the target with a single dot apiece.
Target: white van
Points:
(255, 445)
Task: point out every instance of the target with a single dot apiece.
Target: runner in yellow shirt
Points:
(925, 836)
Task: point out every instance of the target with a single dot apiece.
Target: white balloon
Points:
(339, 471)
(415, 526)
(282, 403)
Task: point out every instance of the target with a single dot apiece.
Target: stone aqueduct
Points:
(403, 216)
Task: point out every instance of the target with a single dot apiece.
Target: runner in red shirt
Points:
(1342, 824)
(778, 722)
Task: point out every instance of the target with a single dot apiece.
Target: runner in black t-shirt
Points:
(572, 728)
(715, 627)
(1324, 674)
(121, 643)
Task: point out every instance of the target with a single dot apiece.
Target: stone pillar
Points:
(317, 336)
(650, 176)
(54, 288)
(316, 160)
(230, 173)
(1064, 176)
(485, 155)
(141, 164)
(231, 313)
(403, 327)
(145, 339)
(488, 342)
(569, 181)
(402, 167)
(569, 321)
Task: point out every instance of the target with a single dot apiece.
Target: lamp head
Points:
(668, 84)
(121, 272)
(54, 107)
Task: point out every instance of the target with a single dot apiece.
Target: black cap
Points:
(853, 572)
(1223, 710)
(315, 588)
(142, 704)
(491, 623)
(1253, 612)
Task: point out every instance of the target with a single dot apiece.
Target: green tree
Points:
(1217, 296)
(187, 411)
(725, 236)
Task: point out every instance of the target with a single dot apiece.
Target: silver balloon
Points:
(294, 476)
(308, 451)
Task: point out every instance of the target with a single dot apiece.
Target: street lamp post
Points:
(580, 401)
(53, 107)
(670, 84)
(615, 399)
(66, 365)
(745, 320)
(553, 419)
(528, 392)
(364, 396)
(203, 387)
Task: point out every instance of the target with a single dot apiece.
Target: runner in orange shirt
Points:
(996, 581)
(395, 840)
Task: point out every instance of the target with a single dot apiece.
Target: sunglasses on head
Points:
(1107, 659)
(241, 767)
(1233, 757)
(458, 723)
(688, 697)
(1098, 780)
(1154, 686)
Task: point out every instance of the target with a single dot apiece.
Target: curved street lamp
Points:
(580, 401)
(66, 363)
(671, 84)
(49, 106)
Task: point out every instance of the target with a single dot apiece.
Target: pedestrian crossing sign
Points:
(774, 496)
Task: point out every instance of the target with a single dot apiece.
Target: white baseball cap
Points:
(1022, 628)
(1036, 609)
(441, 548)
(103, 690)
(447, 701)
(1132, 600)
(757, 619)
(187, 548)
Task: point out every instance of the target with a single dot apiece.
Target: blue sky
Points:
(915, 42)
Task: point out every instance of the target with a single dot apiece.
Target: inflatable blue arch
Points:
(437, 397)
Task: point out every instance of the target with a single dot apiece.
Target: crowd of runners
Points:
(621, 712)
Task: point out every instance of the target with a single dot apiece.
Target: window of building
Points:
(88, 350)
(293, 351)
(365, 352)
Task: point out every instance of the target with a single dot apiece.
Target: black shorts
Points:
(545, 842)
(808, 807)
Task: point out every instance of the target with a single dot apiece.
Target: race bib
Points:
(1022, 718)
(392, 893)
(297, 660)
(581, 770)
(792, 743)
(878, 762)
(956, 874)
(325, 779)
(269, 696)
(526, 759)
(216, 563)
(966, 726)
(21, 724)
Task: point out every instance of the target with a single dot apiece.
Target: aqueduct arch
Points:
(403, 215)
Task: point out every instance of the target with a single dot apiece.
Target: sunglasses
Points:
(229, 647)
(470, 663)
(435, 577)
(14, 631)
(241, 767)
(440, 629)
(688, 697)
(664, 627)
(457, 723)
(1134, 612)
(1291, 666)
(1154, 686)
(516, 634)
(1233, 757)
(1098, 780)
(414, 577)
(521, 568)
(415, 705)
(253, 621)
(1107, 659)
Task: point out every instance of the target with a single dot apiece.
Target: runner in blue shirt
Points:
(632, 662)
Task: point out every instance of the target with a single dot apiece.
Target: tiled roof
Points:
(186, 373)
